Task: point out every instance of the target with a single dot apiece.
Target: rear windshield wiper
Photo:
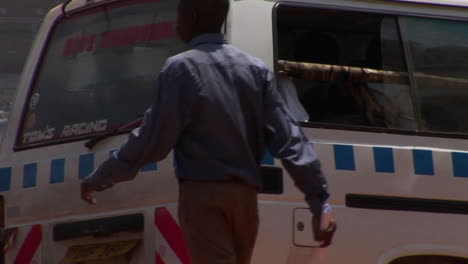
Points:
(90, 144)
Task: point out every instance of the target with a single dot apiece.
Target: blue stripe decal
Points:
(344, 157)
(460, 164)
(57, 171)
(383, 160)
(150, 167)
(423, 162)
(30, 175)
(86, 165)
(268, 158)
(5, 179)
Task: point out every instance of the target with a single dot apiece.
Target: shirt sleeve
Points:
(288, 143)
(160, 130)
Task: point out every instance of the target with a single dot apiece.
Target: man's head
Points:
(197, 17)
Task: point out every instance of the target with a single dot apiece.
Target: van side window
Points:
(98, 70)
(348, 68)
(439, 57)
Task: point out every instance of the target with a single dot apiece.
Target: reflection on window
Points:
(99, 70)
(439, 56)
(345, 72)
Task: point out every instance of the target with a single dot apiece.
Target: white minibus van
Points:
(384, 87)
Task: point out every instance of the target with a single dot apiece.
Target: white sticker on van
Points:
(84, 128)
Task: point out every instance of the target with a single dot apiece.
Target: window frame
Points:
(406, 56)
(44, 50)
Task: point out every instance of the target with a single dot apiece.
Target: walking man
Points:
(218, 108)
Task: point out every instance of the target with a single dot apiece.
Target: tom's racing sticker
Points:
(84, 128)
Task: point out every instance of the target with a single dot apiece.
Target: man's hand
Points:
(87, 190)
(323, 236)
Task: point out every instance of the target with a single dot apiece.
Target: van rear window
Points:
(98, 70)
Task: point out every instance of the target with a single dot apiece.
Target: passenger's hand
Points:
(324, 237)
(87, 191)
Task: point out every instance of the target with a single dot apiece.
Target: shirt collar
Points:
(213, 38)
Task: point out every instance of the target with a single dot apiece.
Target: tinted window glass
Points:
(99, 69)
(347, 68)
(439, 57)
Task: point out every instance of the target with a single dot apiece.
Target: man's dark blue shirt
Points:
(218, 108)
